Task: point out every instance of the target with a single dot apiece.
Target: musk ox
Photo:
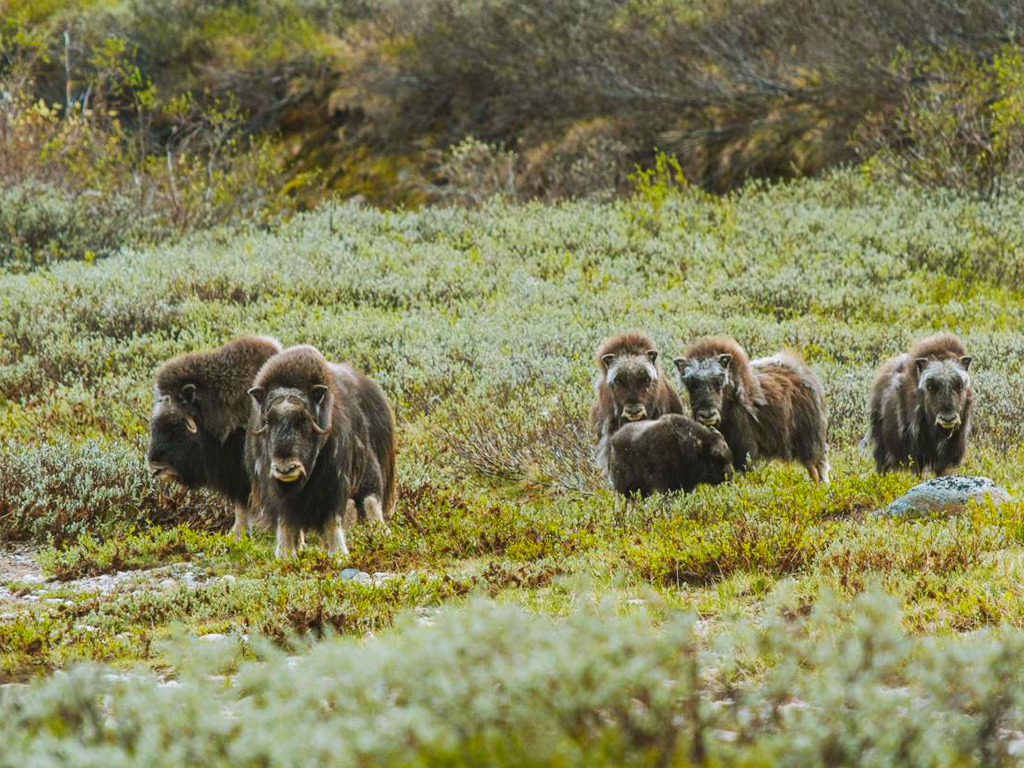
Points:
(321, 446)
(630, 387)
(668, 454)
(771, 408)
(921, 407)
(200, 414)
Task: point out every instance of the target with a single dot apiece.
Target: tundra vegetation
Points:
(480, 326)
(165, 183)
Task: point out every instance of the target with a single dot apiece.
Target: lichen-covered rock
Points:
(947, 495)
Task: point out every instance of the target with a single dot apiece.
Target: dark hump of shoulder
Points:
(224, 374)
(356, 386)
(629, 343)
(300, 367)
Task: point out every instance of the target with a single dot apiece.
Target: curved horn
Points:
(317, 428)
(191, 425)
(259, 431)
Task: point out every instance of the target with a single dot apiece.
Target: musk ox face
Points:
(633, 383)
(176, 441)
(706, 381)
(292, 428)
(944, 386)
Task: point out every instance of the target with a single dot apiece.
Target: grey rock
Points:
(946, 495)
(350, 573)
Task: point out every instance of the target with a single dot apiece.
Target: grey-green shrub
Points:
(823, 684)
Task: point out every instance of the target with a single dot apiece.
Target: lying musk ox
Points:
(321, 446)
(771, 408)
(921, 407)
(668, 454)
(630, 387)
(201, 411)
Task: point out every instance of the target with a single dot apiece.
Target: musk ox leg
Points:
(374, 512)
(823, 469)
(287, 537)
(334, 536)
(351, 515)
(243, 525)
(601, 454)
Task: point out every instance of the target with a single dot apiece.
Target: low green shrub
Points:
(809, 684)
(59, 491)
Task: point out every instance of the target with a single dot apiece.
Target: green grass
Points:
(480, 327)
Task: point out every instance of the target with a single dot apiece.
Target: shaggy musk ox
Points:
(630, 387)
(321, 446)
(201, 411)
(921, 407)
(668, 454)
(771, 408)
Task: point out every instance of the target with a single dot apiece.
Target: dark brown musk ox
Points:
(321, 447)
(201, 411)
(770, 408)
(920, 407)
(668, 454)
(630, 387)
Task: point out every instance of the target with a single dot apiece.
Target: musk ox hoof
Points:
(945, 495)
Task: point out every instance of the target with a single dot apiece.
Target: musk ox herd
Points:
(309, 445)
(743, 410)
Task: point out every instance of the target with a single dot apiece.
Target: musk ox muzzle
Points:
(709, 417)
(160, 469)
(287, 471)
(634, 412)
(950, 422)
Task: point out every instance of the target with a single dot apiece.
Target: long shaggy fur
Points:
(357, 457)
(772, 408)
(224, 375)
(672, 453)
(902, 433)
(208, 390)
(630, 350)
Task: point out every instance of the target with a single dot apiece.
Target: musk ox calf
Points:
(668, 454)
(771, 408)
(321, 446)
(200, 414)
(630, 387)
(921, 407)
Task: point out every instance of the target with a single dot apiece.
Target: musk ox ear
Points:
(258, 394)
(317, 394)
(652, 355)
(607, 360)
(965, 361)
(921, 363)
(188, 393)
(724, 359)
(680, 363)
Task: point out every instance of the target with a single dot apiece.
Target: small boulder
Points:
(945, 495)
